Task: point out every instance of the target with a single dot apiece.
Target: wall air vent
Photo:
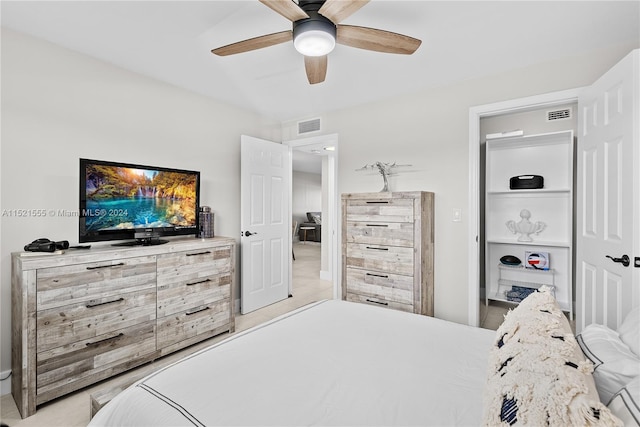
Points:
(308, 126)
(562, 114)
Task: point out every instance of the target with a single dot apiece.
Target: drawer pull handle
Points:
(105, 266)
(199, 253)
(377, 225)
(95, 343)
(379, 202)
(103, 303)
(384, 276)
(189, 313)
(378, 249)
(198, 282)
(377, 302)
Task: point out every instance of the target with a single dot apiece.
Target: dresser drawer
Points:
(73, 366)
(380, 233)
(86, 320)
(383, 209)
(78, 283)
(388, 259)
(188, 280)
(378, 301)
(390, 287)
(176, 297)
(210, 318)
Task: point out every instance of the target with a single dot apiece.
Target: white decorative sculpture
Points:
(525, 227)
(385, 171)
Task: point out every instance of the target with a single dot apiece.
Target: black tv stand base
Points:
(142, 242)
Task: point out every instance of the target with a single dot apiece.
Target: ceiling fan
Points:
(316, 30)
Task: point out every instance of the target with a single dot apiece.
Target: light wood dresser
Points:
(387, 250)
(86, 315)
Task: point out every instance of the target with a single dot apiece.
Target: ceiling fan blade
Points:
(339, 10)
(286, 8)
(376, 40)
(316, 67)
(254, 43)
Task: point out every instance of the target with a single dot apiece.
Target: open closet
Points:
(527, 202)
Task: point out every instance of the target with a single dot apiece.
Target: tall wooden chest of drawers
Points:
(387, 250)
(85, 315)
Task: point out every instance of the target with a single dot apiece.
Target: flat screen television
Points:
(136, 203)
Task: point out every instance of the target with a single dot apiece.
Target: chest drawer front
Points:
(72, 366)
(188, 324)
(389, 287)
(192, 263)
(385, 210)
(86, 320)
(60, 286)
(183, 296)
(380, 233)
(379, 302)
(191, 279)
(391, 259)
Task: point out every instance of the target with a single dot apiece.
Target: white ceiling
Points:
(171, 41)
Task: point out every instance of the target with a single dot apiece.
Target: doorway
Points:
(475, 242)
(313, 155)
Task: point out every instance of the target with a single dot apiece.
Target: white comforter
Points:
(330, 363)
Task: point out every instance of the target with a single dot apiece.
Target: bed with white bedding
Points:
(330, 363)
(337, 363)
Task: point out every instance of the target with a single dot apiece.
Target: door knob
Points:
(624, 259)
(248, 233)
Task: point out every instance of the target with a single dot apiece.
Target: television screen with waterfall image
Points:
(120, 201)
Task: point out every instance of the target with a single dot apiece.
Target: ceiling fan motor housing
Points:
(315, 21)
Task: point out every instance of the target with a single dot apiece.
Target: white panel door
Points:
(608, 197)
(265, 222)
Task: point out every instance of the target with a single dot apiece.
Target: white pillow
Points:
(630, 330)
(615, 364)
(626, 403)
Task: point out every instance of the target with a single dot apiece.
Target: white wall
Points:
(306, 195)
(58, 106)
(429, 129)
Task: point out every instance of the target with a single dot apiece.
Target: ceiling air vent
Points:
(562, 114)
(307, 126)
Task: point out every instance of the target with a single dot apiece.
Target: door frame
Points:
(333, 203)
(475, 114)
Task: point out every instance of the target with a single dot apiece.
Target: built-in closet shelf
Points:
(520, 268)
(529, 192)
(551, 156)
(498, 297)
(557, 244)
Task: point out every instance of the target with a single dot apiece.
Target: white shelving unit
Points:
(551, 156)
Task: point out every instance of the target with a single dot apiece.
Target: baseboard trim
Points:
(325, 275)
(5, 385)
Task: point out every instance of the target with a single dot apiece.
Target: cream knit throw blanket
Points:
(537, 374)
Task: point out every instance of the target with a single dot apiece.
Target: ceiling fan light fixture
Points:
(314, 43)
(314, 37)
